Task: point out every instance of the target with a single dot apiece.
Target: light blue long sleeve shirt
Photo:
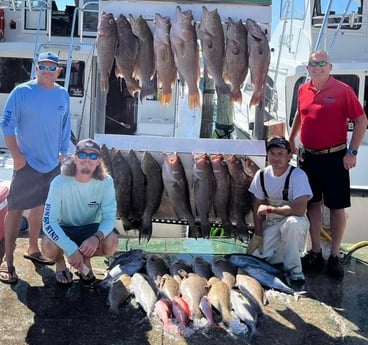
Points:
(39, 118)
(73, 203)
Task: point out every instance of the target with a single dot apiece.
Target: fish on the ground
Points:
(145, 64)
(245, 310)
(268, 280)
(168, 287)
(123, 185)
(259, 60)
(181, 312)
(164, 58)
(106, 42)
(128, 268)
(224, 270)
(137, 190)
(219, 297)
(179, 265)
(152, 193)
(119, 292)
(145, 294)
(222, 194)
(126, 257)
(183, 38)
(249, 285)
(236, 58)
(203, 190)
(126, 54)
(156, 267)
(212, 38)
(245, 260)
(192, 289)
(202, 267)
(163, 310)
(106, 158)
(176, 186)
(241, 200)
(206, 308)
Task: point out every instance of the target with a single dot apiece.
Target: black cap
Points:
(278, 142)
(88, 144)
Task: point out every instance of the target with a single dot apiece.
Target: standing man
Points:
(324, 107)
(281, 193)
(80, 213)
(36, 128)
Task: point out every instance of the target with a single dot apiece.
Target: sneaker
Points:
(312, 261)
(295, 280)
(334, 267)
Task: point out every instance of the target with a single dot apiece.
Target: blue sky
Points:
(275, 13)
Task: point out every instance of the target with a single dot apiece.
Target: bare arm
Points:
(360, 126)
(297, 208)
(294, 131)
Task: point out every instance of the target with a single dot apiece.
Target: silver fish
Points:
(106, 43)
(245, 260)
(144, 293)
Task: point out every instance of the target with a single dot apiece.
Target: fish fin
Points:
(236, 96)
(165, 98)
(150, 90)
(194, 100)
(145, 231)
(104, 86)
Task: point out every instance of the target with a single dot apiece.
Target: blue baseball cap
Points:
(51, 57)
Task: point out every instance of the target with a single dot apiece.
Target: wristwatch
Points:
(352, 151)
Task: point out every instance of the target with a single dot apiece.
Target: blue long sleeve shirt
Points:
(39, 118)
(73, 203)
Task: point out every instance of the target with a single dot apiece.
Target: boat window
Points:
(351, 16)
(14, 71)
(292, 9)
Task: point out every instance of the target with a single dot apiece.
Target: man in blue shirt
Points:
(36, 128)
(80, 213)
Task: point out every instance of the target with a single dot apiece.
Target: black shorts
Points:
(29, 188)
(328, 178)
(81, 232)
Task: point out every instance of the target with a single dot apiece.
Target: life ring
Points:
(2, 24)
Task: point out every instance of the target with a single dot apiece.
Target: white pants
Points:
(283, 241)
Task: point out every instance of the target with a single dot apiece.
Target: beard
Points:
(86, 171)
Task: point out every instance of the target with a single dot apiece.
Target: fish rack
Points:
(184, 147)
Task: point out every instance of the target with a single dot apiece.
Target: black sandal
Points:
(64, 277)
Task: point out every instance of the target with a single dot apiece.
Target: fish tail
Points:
(145, 231)
(149, 90)
(132, 86)
(236, 96)
(223, 89)
(194, 100)
(104, 86)
(257, 98)
(165, 98)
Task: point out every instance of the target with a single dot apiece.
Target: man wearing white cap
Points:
(36, 128)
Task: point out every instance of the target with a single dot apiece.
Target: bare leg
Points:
(315, 219)
(337, 224)
(34, 220)
(52, 251)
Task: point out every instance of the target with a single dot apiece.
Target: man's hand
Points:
(255, 243)
(76, 260)
(89, 246)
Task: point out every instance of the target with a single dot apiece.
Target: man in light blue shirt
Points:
(80, 213)
(36, 128)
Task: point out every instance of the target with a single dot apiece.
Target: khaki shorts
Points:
(29, 188)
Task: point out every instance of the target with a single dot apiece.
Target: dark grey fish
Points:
(145, 64)
(241, 201)
(224, 270)
(183, 38)
(123, 185)
(156, 267)
(212, 38)
(176, 186)
(137, 191)
(236, 58)
(106, 158)
(245, 260)
(203, 190)
(202, 267)
(106, 42)
(152, 193)
(179, 265)
(126, 257)
(126, 54)
(119, 292)
(268, 280)
(222, 194)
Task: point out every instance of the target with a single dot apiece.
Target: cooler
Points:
(3, 208)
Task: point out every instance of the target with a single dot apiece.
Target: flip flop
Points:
(38, 257)
(64, 277)
(11, 278)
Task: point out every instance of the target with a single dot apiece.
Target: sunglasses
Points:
(83, 155)
(318, 63)
(47, 68)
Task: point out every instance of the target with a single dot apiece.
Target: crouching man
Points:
(281, 193)
(80, 214)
